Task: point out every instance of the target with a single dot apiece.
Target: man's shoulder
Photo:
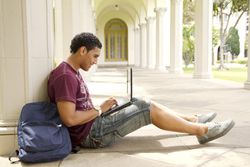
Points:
(63, 70)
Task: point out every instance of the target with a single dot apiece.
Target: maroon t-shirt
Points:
(66, 84)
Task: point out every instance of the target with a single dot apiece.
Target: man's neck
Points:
(71, 60)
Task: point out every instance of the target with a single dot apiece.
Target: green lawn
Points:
(237, 74)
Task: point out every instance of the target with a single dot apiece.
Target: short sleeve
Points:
(65, 88)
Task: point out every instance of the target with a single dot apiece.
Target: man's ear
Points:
(83, 50)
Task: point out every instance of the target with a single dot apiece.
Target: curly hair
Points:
(89, 40)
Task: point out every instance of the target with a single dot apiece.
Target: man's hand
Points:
(107, 104)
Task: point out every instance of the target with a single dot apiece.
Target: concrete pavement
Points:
(152, 147)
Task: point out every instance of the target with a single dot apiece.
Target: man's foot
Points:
(216, 130)
(203, 118)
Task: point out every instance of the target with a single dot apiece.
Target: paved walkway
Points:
(152, 147)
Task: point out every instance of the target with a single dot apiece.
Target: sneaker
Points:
(216, 130)
(203, 118)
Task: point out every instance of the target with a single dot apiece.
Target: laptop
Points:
(126, 104)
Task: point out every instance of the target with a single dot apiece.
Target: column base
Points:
(202, 76)
(8, 140)
(175, 71)
(161, 68)
(247, 85)
(8, 137)
(152, 67)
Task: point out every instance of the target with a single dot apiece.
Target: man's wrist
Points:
(99, 110)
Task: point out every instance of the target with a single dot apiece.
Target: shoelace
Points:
(215, 125)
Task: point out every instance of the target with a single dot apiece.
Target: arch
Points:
(134, 8)
(116, 40)
(124, 9)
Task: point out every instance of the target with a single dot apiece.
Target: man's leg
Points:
(163, 118)
(108, 129)
(166, 119)
(201, 118)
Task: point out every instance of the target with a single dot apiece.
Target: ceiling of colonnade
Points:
(132, 8)
(137, 10)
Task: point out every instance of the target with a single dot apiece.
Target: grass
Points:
(237, 74)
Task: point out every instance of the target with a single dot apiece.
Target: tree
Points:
(225, 9)
(215, 40)
(188, 31)
(188, 44)
(233, 42)
(188, 11)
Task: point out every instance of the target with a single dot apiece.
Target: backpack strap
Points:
(12, 156)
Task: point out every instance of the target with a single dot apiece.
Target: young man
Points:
(68, 90)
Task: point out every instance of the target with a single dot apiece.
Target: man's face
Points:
(89, 58)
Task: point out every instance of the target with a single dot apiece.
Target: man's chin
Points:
(87, 69)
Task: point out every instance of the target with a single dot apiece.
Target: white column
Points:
(176, 36)
(203, 39)
(247, 83)
(77, 16)
(160, 64)
(67, 26)
(151, 57)
(143, 43)
(83, 21)
(70, 19)
(167, 39)
(58, 32)
(137, 47)
(242, 35)
(87, 17)
(25, 61)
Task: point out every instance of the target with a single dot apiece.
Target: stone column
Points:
(72, 21)
(137, 46)
(77, 16)
(247, 83)
(176, 36)
(58, 32)
(26, 50)
(87, 17)
(159, 38)
(151, 57)
(167, 39)
(203, 39)
(143, 43)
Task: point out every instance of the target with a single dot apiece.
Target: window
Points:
(116, 39)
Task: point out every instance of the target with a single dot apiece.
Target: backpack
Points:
(41, 135)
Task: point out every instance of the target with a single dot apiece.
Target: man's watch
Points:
(99, 110)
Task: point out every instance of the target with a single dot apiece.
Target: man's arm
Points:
(71, 117)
